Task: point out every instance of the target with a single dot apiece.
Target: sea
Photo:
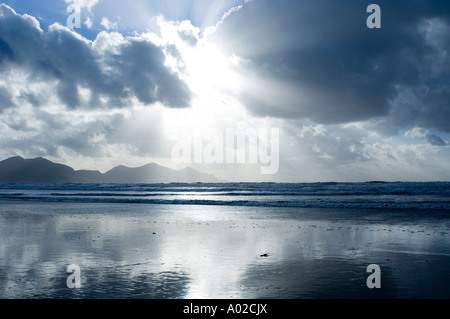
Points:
(369, 195)
(373, 240)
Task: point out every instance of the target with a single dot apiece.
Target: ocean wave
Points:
(400, 195)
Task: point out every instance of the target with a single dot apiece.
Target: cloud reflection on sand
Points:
(149, 251)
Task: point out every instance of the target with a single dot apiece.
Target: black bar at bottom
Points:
(219, 308)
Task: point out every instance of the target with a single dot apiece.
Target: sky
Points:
(309, 90)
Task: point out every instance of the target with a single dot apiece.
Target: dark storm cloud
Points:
(5, 51)
(132, 69)
(435, 140)
(142, 64)
(5, 99)
(340, 70)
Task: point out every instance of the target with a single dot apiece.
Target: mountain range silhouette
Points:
(40, 170)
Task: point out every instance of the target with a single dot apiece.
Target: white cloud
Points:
(69, 67)
(416, 132)
(88, 22)
(83, 4)
(108, 25)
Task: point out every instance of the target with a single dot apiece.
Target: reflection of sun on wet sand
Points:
(173, 251)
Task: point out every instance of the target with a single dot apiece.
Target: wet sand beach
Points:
(185, 251)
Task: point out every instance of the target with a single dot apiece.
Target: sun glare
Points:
(211, 76)
(205, 67)
(209, 69)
